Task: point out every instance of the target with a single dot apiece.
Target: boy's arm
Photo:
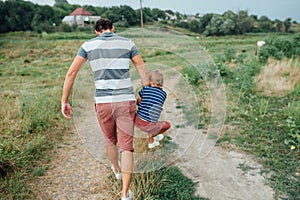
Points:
(138, 100)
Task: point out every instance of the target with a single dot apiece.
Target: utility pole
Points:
(142, 20)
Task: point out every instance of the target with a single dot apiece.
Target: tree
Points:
(204, 21)
(279, 25)
(265, 24)
(158, 14)
(213, 28)
(287, 24)
(43, 19)
(128, 14)
(112, 14)
(244, 22)
(3, 17)
(18, 15)
(228, 27)
(194, 25)
(58, 2)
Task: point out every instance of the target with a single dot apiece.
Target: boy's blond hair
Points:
(156, 77)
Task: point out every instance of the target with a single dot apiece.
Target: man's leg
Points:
(127, 167)
(112, 153)
(108, 125)
(125, 126)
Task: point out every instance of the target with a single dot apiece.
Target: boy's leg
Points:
(164, 126)
(150, 138)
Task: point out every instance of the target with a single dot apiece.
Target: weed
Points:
(164, 184)
(293, 139)
(191, 75)
(229, 54)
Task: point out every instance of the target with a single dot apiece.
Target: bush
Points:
(191, 75)
(229, 54)
(279, 47)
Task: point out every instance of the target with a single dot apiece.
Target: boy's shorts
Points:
(152, 128)
(117, 123)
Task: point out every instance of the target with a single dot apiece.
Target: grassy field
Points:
(264, 121)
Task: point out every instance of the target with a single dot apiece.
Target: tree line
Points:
(19, 15)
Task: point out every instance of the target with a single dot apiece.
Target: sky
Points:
(274, 9)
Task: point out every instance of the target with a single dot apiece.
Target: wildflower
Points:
(293, 147)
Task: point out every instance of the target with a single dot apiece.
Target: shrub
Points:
(279, 47)
(192, 75)
(229, 54)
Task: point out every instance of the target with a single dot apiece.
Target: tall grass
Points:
(30, 111)
(278, 77)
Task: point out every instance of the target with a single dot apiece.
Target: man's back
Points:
(109, 56)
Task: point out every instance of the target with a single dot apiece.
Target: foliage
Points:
(279, 47)
(20, 15)
(191, 75)
(293, 140)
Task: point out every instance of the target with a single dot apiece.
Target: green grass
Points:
(263, 125)
(164, 184)
(31, 76)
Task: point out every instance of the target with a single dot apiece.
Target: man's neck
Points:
(98, 33)
(106, 31)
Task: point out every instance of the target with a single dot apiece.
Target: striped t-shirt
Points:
(109, 56)
(152, 102)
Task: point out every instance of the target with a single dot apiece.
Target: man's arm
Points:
(68, 84)
(141, 67)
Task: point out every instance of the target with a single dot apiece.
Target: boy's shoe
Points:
(159, 137)
(117, 175)
(154, 144)
(130, 195)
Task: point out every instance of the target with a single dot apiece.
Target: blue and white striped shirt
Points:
(152, 102)
(109, 56)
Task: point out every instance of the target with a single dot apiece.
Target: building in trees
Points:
(80, 17)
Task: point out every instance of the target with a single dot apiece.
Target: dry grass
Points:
(278, 77)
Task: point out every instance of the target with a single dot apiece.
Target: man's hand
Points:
(66, 110)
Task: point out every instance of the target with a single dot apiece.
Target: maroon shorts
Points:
(152, 128)
(117, 123)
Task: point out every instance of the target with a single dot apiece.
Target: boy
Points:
(150, 104)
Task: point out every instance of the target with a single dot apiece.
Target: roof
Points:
(68, 19)
(80, 11)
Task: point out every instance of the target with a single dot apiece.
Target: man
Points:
(109, 56)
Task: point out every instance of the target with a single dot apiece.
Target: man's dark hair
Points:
(103, 24)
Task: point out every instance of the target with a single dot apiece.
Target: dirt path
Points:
(79, 168)
(221, 174)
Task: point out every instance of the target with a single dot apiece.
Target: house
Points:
(80, 17)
